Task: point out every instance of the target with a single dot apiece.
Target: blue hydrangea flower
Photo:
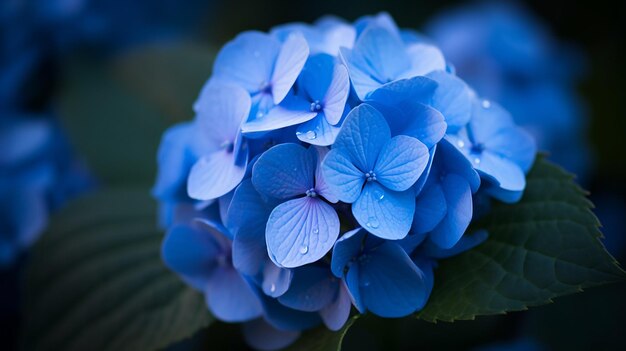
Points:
(379, 56)
(322, 92)
(501, 151)
(380, 275)
(296, 138)
(263, 66)
(217, 173)
(201, 254)
(300, 230)
(373, 171)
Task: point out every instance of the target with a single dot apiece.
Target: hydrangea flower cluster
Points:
(507, 54)
(329, 166)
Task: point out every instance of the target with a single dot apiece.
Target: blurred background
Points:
(88, 86)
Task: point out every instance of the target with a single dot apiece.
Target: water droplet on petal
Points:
(260, 114)
(476, 160)
(373, 223)
(486, 104)
(273, 288)
(304, 249)
(311, 135)
(315, 230)
(366, 283)
(460, 143)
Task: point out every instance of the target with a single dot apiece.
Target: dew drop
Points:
(460, 143)
(273, 288)
(316, 231)
(311, 135)
(366, 283)
(373, 222)
(260, 114)
(486, 104)
(476, 160)
(304, 249)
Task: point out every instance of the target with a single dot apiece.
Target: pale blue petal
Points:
(230, 298)
(514, 144)
(318, 131)
(301, 231)
(404, 92)
(428, 124)
(344, 180)
(276, 280)
(336, 95)
(488, 120)
(224, 204)
(384, 213)
(421, 182)
(289, 64)
(390, 284)
(262, 336)
(453, 99)
(190, 253)
(506, 174)
(316, 77)
(346, 248)
(459, 214)
(214, 175)
(294, 110)
(247, 61)
(424, 58)
(285, 171)
(401, 162)
(451, 160)
(362, 136)
(336, 314)
(312, 289)
(223, 106)
(321, 186)
(361, 74)
(430, 208)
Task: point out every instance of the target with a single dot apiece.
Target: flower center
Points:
(370, 176)
(311, 193)
(316, 106)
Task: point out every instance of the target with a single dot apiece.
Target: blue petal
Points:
(451, 160)
(352, 282)
(262, 336)
(506, 174)
(334, 100)
(214, 175)
(312, 289)
(276, 280)
(384, 213)
(344, 180)
(249, 250)
(430, 208)
(294, 110)
(412, 241)
(190, 253)
(421, 182)
(362, 136)
(247, 61)
(378, 57)
(453, 99)
(424, 58)
(346, 248)
(289, 64)
(318, 131)
(336, 314)
(224, 204)
(321, 186)
(316, 77)
(223, 106)
(467, 242)
(488, 120)
(428, 125)
(230, 297)
(514, 144)
(401, 162)
(247, 209)
(285, 318)
(459, 212)
(301, 231)
(284, 171)
(403, 91)
(390, 284)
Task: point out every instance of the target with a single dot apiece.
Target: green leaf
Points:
(542, 247)
(95, 280)
(115, 112)
(322, 339)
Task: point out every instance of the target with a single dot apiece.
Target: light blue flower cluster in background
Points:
(330, 165)
(507, 54)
